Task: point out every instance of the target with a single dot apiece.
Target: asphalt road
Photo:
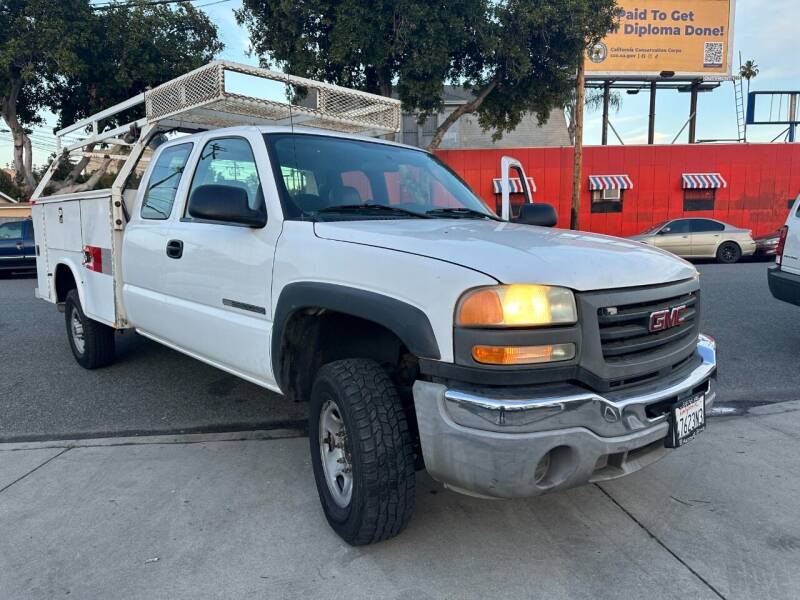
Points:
(44, 394)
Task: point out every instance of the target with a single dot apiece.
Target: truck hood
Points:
(514, 253)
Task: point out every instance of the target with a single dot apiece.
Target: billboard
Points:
(691, 38)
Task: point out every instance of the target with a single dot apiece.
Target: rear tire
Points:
(361, 451)
(92, 343)
(729, 253)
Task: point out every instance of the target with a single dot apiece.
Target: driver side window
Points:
(228, 161)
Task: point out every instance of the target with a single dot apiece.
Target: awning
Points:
(703, 181)
(610, 182)
(516, 185)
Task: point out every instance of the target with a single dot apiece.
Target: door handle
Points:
(19, 246)
(175, 248)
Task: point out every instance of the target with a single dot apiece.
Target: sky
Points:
(764, 30)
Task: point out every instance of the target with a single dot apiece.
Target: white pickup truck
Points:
(506, 357)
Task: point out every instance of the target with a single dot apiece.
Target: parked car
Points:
(784, 277)
(767, 244)
(363, 276)
(17, 247)
(700, 238)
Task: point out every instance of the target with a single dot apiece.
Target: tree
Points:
(516, 56)
(593, 101)
(749, 70)
(39, 40)
(75, 61)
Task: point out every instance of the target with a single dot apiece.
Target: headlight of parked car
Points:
(516, 306)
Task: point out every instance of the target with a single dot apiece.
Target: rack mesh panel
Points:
(200, 98)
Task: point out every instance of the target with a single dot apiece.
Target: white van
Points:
(784, 277)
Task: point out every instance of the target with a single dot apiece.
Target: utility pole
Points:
(651, 127)
(606, 101)
(693, 112)
(580, 91)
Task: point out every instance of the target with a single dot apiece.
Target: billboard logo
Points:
(598, 52)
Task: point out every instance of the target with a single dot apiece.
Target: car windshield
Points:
(325, 178)
(654, 228)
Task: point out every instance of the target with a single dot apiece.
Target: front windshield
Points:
(654, 228)
(329, 178)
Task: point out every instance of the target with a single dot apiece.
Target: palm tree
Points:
(749, 70)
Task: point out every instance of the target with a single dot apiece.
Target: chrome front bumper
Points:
(489, 441)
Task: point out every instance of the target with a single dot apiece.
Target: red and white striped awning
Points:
(610, 182)
(703, 181)
(516, 185)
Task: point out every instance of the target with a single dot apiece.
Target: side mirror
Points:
(663, 231)
(225, 203)
(541, 214)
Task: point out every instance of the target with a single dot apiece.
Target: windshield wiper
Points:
(368, 208)
(458, 213)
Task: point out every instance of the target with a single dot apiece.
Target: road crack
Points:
(33, 470)
(662, 544)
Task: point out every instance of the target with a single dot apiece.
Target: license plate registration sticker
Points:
(688, 419)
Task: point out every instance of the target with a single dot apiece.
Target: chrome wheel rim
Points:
(76, 329)
(334, 454)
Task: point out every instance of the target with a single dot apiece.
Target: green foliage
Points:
(39, 42)
(132, 48)
(517, 56)
(749, 70)
(66, 57)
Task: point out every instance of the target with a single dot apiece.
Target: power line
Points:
(109, 5)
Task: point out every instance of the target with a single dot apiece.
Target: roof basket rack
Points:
(225, 94)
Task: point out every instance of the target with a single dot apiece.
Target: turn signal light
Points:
(523, 355)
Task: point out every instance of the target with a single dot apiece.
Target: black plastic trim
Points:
(784, 286)
(407, 322)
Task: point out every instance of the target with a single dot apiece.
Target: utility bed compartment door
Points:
(63, 225)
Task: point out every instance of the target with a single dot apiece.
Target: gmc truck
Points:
(506, 357)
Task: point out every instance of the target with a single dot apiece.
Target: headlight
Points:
(516, 306)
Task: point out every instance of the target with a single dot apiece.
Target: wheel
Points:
(729, 253)
(92, 343)
(361, 451)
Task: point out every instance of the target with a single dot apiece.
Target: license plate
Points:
(687, 420)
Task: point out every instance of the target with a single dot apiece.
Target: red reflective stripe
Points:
(93, 258)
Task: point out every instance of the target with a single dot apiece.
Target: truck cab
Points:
(784, 277)
(506, 357)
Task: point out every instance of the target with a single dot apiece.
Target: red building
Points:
(747, 185)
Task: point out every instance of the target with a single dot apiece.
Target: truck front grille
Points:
(625, 334)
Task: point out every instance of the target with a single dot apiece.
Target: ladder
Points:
(741, 123)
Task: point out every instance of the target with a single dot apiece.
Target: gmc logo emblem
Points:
(661, 320)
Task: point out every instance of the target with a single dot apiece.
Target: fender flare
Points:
(407, 322)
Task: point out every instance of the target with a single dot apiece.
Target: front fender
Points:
(410, 324)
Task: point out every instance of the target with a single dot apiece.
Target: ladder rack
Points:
(209, 98)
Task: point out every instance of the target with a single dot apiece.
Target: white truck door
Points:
(218, 290)
(144, 257)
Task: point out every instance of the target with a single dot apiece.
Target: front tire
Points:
(729, 253)
(92, 343)
(361, 451)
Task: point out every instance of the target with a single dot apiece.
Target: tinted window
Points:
(705, 225)
(346, 172)
(702, 199)
(11, 231)
(230, 161)
(676, 227)
(164, 181)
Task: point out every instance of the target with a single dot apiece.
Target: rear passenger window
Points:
(164, 181)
